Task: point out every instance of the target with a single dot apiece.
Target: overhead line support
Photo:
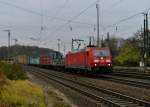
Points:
(98, 38)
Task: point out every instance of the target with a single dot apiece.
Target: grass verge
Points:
(17, 91)
(22, 93)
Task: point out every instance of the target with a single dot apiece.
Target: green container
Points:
(34, 60)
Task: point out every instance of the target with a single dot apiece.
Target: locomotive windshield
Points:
(101, 53)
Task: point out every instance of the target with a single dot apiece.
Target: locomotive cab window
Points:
(101, 53)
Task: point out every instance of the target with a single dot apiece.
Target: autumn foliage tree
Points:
(130, 54)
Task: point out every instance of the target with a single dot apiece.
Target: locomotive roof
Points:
(89, 48)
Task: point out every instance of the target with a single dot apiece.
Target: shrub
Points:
(13, 71)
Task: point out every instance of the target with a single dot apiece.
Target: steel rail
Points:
(127, 81)
(132, 74)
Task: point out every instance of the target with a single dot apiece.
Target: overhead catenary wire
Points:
(125, 19)
(122, 20)
(20, 8)
(59, 10)
(105, 11)
(148, 10)
(57, 18)
(51, 18)
(114, 5)
(129, 30)
(73, 18)
(114, 24)
(34, 12)
(39, 14)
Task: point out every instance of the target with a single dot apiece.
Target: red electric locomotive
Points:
(91, 59)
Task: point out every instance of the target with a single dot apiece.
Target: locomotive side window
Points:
(101, 53)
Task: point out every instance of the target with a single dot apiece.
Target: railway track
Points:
(98, 94)
(123, 78)
(132, 74)
(141, 83)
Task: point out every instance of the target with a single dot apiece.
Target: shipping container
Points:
(33, 60)
(21, 59)
(45, 59)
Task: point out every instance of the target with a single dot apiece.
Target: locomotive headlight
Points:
(102, 58)
(108, 60)
(96, 60)
(95, 64)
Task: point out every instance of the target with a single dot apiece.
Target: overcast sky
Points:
(26, 18)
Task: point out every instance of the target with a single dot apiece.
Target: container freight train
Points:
(88, 60)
